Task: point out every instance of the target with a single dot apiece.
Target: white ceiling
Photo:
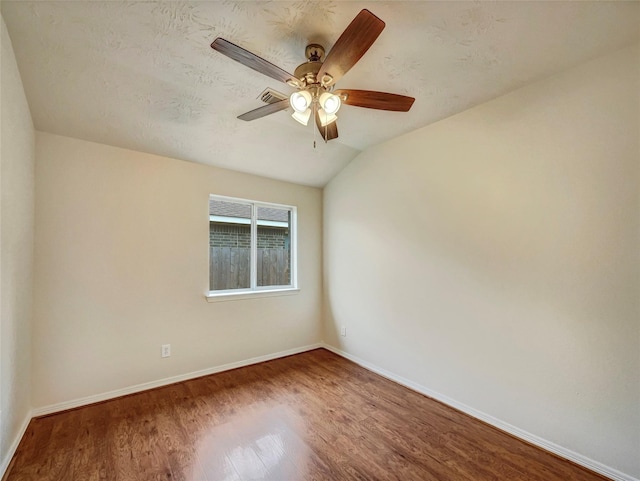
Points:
(141, 75)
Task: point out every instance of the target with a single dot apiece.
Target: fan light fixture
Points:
(329, 102)
(303, 100)
(302, 117)
(326, 118)
(300, 101)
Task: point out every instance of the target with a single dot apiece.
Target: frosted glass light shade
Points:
(300, 101)
(329, 102)
(302, 117)
(326, 118)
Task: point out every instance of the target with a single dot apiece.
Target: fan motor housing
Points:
(307, 72)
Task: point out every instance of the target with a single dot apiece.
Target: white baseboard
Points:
(517, 432)
(63, 406)
(14, 445)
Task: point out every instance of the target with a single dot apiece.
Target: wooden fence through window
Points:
(229, 267)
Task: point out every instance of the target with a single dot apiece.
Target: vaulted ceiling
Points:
(141, 75)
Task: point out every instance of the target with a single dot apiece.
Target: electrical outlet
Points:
(166, 350)
(343, 331)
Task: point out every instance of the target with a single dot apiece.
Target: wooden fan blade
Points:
(251, 60)
(265, 110)
(351, 46)
(375, 100)
(329, 132)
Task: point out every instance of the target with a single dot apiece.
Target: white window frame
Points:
(254, 290)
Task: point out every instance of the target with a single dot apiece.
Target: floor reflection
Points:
(257, 444)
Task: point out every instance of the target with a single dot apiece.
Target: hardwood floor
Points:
(313, 416)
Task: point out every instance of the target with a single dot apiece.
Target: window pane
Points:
(274, 247)
(229, 245)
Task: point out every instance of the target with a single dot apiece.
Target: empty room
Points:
(320, 240)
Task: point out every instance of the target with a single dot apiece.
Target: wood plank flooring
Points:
(313, 416)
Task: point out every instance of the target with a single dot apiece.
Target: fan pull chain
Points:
(325, 127)
(314, 130)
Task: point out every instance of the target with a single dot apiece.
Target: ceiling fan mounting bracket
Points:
(314, 52)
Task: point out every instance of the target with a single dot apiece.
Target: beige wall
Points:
(122, 267)
(493, 258)
(16, 250)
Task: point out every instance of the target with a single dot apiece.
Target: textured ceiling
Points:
(141, 75)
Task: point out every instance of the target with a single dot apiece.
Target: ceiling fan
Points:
(316, 78)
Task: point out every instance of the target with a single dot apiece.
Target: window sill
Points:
(236, 296)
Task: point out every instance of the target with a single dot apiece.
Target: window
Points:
(252, 247)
